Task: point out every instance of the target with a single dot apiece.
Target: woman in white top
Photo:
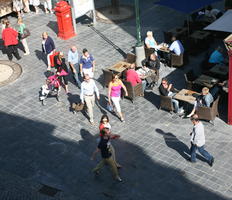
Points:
(150, 41)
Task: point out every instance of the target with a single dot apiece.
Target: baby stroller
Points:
(50, 88)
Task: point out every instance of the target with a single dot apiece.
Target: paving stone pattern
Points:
(50, 145)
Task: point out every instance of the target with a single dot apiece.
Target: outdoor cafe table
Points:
(200, 35)
(220, 71)
(179, 31)
(206, 81)
(186, 96)
(119, 67)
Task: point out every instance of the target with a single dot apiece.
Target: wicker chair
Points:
(166, 103)
(133, 91)
(177, 60)
(189, 78)
(167, 37)
(130, 58)
(209, 113)
(107, 74)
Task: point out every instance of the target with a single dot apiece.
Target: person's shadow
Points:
(40, 56)
(173, 142)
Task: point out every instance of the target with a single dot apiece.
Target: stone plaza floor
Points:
(50, 146)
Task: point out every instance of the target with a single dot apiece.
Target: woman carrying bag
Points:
(22, 35)
(62, 69)
(114, 94)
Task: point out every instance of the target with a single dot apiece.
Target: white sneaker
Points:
(118, 179)
(25, 54)
(181, 111)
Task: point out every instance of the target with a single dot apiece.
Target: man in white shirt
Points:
(176, 46)
(198, 141)
(73, 61)
(88, 88)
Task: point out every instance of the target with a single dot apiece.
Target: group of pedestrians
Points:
(23, 6)
(11, 38)
(83, 69)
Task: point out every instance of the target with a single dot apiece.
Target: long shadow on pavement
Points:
(30, 150)
(173, 142)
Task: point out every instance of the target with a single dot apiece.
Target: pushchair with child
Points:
(50, 88)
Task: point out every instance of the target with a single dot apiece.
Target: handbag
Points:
(63, 73)
(109, 107)
(25, 34)
(52, 62)
(78, 106)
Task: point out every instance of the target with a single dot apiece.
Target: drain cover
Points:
(48, 190)
(9, 71)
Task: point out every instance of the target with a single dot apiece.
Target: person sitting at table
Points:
(133, 77)
(212, 12)
(217, 57)
(153, 63)
(150, 41)
(167, 89)
(205, 99)
(176, 46)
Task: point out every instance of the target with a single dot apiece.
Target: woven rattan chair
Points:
(177, 60)
(133, 91)
(208, 113)
(166, 103)
(107, 74)
(130, 58)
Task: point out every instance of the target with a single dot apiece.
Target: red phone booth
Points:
(64, 20)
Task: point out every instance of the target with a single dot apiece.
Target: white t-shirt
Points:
(177, 47)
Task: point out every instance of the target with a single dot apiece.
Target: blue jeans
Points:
(77, 74)
(201, 150)
(176, 105)
(144, 83)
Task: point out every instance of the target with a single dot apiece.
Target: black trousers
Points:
(12, 50)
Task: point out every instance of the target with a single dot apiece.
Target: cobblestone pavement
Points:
(49, 145)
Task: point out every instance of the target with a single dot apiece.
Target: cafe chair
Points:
(166, 103)
(177, 60)
(107, 74)
(208, 113)
(189, 78)
(130, 58)
(133, 91)
(167, 37)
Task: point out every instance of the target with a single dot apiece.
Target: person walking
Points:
(35, 3)
(73, 60)
(23, 40)
(26, 6)
(105, 123)
(48, 47)
(114, 94)
(106, 154)
(10, 38)
(18, 7)
(48, 6)
(87, 64)
(88, 88)
(198, 141)
(61, 69)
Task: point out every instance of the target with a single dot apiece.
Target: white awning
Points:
(224, 23)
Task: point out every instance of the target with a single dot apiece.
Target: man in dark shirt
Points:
(167, 89)
(104, 148)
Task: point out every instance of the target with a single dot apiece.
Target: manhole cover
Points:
(9, 72)
(5, 72)
(48, 190)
